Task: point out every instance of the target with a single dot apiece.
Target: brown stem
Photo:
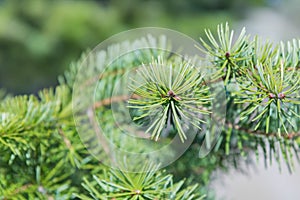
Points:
(116, 99)
(66, 140)
(259, 132)
(108, 101)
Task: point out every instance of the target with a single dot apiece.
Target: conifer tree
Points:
(43, 156)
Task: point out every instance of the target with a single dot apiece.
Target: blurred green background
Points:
(39, 39)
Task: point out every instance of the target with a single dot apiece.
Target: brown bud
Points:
(272, 96)
(171, 93)
(227, 55)
(281, 96)
(177, 98)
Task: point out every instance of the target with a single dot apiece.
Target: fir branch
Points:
(227, 56)
(269, 94)
(170, 93)
(118, 184)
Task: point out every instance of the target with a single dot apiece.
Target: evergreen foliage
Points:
(43, 157)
